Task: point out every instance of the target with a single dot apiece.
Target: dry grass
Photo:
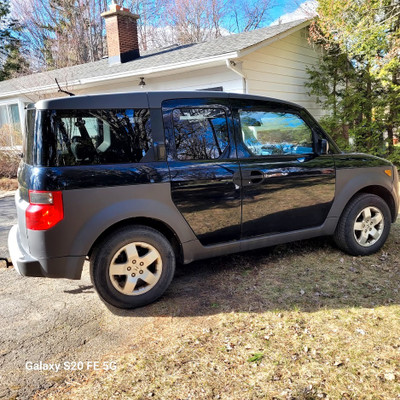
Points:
(8, 184)
(300, 321)
(9, 161)
(10, 150)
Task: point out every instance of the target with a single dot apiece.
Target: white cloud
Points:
(308, 9)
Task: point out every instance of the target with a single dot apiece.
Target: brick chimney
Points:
(122, 34)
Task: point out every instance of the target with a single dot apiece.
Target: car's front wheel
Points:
(132, 267)
(364, 225)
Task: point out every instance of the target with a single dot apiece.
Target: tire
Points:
(364, 225)
(132, 267)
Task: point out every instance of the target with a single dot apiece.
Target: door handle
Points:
(252, 177)
(256, 176)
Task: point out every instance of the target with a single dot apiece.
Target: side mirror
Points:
(323, 146)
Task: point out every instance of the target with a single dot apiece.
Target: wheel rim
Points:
(368, 227)
(135, 268)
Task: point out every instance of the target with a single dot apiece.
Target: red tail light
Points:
(44, 211)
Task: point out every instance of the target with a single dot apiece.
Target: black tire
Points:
(123, 251)
(357, 240)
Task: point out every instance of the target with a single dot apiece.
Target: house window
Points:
(10, 125)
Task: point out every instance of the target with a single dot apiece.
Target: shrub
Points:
(7, 184)
(10, 150)
(394, 157)
(9, 161)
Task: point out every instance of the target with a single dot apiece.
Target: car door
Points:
(287, 183)
(203, 163)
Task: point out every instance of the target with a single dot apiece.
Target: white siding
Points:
(200, 79)
(279, 70)
(193, 80)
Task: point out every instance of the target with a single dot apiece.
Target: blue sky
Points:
(283, 7)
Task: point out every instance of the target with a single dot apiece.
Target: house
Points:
(269, 61)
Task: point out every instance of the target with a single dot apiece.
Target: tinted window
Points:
(272, 133)
(200, 133)
(29, 135)
(79, 137)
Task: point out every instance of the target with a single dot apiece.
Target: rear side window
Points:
(87, 137)
(200, 133)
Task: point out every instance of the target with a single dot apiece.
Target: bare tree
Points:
(152, 15)
(246, 15)
(195, 20)
(60, 33)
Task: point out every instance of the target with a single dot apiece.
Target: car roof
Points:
(152, 99)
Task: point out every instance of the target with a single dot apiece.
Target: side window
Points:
(268, 133)
(100, 136)
(200, 133)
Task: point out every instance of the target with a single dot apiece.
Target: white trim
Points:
(153, 70)
(21, 110)
(14, 100)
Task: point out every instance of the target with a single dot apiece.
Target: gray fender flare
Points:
(351, 181)
(117, 212)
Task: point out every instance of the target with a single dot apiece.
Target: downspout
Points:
(236, 66)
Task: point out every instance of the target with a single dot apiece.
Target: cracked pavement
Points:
(51, 321)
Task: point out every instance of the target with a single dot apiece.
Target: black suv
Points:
(138, 181)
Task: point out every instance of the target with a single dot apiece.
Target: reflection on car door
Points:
(202, 161)
(286, 185)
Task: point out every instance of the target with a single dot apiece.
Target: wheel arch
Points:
(360, 240)
(156, 224)
(354, 181)
(377, 190)
(384, 194)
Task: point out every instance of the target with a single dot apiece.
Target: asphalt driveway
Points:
(51, 321)
(7, 219)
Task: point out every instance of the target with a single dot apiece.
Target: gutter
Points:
(237, 67)
(162, 68)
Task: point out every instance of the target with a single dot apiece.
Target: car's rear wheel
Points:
(364, 225)
(132, 267)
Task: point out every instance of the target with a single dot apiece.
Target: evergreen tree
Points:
(15, 63)
(6, 27)
(359, 73)
(12, 63)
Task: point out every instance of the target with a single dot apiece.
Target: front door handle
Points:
(256, 176)
(252, 177)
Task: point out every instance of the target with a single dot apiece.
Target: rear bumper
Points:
(26, 265)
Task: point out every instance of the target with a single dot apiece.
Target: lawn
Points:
(298, 321)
